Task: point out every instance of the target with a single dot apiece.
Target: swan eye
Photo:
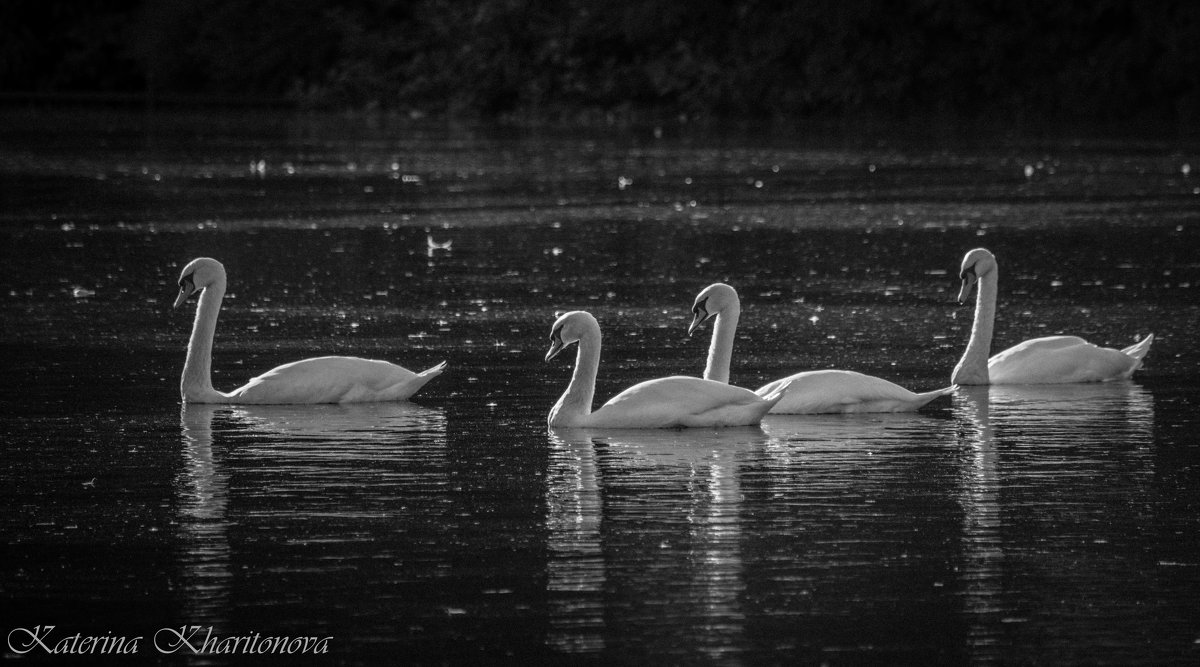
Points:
(556, 335)
(186, 284)
(969, 271)
(701, 307)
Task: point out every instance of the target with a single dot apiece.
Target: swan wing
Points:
(833, 391)
(332, 380)
(1060, 360)
(681, 401)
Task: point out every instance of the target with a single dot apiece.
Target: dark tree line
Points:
(1101, 59)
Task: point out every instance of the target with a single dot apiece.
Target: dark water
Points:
(1011, 525)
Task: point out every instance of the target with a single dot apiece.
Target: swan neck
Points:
(576, 402)
(720, 350)
(196, 383)
(973, 368)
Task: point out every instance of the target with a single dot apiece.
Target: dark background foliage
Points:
(1066, 59)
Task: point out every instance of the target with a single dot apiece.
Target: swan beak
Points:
(556, 346)
(968, 284)
(187, 285)
(701, 314)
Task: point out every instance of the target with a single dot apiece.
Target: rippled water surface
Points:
(1001, 525)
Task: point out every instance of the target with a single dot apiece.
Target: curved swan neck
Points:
(196, 383)
(973, 367)
(576, 401)
(720, 350)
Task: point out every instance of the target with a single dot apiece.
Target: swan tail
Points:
(430, 373)
(1139, 350)
(925, 398)
(401, 391)
(776, 394)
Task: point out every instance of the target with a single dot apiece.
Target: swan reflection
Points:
(575, 570)
(291, 463)
(332, 440)
(983, 553)
(348, 423)
(344, 462)
(203, 492)
(842, 430)
(1100, 403)
(844, 439)
(590, 472)
(1027, 451)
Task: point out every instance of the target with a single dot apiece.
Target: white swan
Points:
(1049, 360)
(316, 380)
(810, 392)
(661, 403)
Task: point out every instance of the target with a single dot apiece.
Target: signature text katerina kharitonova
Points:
(186, 639)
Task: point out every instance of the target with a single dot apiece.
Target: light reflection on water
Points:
(575, 569)
(983, 543)
(203, 491)
(687, 483)
(1001, 525)
(1042, 451)
(338, 466)
(616, 502)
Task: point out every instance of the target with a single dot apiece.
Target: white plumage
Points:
(316, 380)
(661, 403)
(1049, 360)
(809, 392)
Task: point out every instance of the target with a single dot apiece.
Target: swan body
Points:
(832, 391)
(809, 392)
(316, 380)
(334, 380)
(669, 402)
(1049, 360)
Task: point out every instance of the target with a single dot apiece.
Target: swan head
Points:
(570, 328)
(710, 302)
(976, 264)
(197, 275)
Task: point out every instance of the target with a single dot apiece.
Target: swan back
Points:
(333, 380)
(680, 401)
(837, 391)
(1063, 360)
